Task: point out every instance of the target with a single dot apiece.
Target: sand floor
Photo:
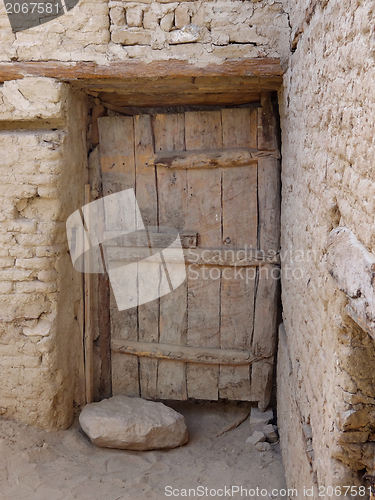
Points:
(38, 465)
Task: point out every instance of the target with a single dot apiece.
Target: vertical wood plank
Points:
(148, 314)
(254, 128)
(169, 132)
(104, 331)
(95, 179)
(117, 154)
(203, 131)
(100, 301)
(88, 338)
(269, 204)
(269, 240)
(267, 124)
(118, 173)
(264, 338)
(97, 112)
(240, 228)
(237, 131)
(261, 383)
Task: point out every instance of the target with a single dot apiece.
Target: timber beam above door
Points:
(159, 83)
(126, 70)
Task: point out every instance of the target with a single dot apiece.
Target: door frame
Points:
(256, 91)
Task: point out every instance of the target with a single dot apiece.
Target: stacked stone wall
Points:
(198, 31)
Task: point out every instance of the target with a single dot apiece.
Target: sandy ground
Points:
(37, 465)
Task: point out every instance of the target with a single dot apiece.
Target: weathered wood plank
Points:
(172, 353)
(118, 173)
(240, 228)
(88, 336)
(236, 128)
(230, 257)
(117, 156)
(269, 186)
(104, 331)
(268, 132)
(97, 112)
(148, 97)
(261, 383)
(203, 131)
(169, 132)
(184, 85)
(158, 240)
(265, 327)
(262, 67)
(254, 128)
(170, 136)
(267, 292)
(221, 257)
(231, 157)
(101, 350)
(148, 314)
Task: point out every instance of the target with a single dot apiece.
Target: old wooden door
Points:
(213, 176)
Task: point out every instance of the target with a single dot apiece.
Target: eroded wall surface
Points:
(42, 165)
(326, 362)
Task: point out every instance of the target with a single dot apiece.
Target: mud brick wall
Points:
(42, 165)
(326, 362)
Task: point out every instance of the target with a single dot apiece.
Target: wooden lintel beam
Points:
(185, 354)
(82, 71)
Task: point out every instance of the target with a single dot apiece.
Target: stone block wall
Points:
(42, 165)
(199, 31)
(327, 115)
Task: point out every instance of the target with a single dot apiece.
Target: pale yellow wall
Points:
(42, 177)
(327, 119)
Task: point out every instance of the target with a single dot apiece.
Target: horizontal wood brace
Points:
(173, 109)
(159, 240)
(186, 354)
(196, 256)
(216, 158)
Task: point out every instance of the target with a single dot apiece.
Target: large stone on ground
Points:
(133, 424)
